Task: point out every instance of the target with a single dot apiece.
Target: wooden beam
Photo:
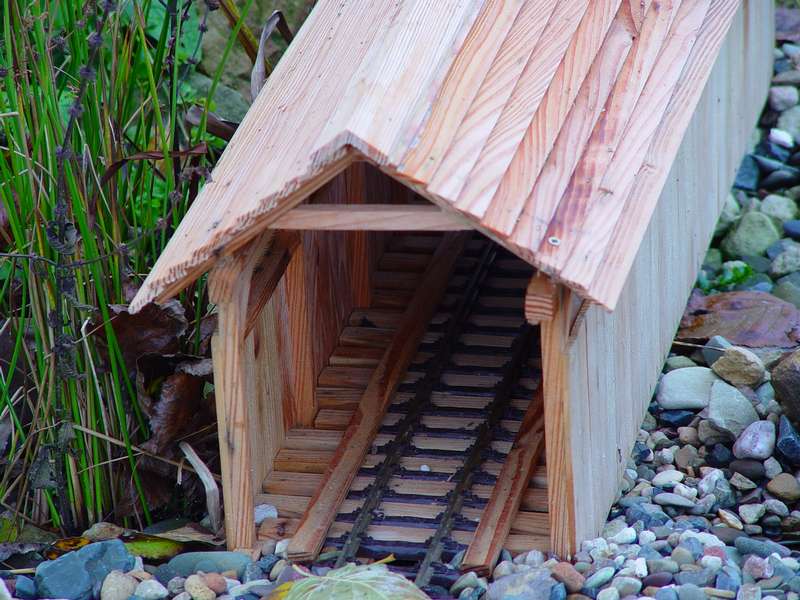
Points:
(499, 514)
(234, 377)
(366, 420)
(267, 274)
(371, 217)
(540, 299)
(557, 425)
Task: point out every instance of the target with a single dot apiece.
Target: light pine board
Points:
(615, 358)
(467, 103)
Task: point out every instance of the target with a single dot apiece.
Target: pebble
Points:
(151, 589)
(117, 586)
(756, 441)
(740, 366)
(196, 587)
(668, 478)
(785, 487)
(688, 388)
(751, 513)
(729, 410)
(599, 578)
(783, 97)
(669, 499)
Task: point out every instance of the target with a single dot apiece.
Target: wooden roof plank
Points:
(402, 72)
(506, 70)
(542, 201)
(608, 132)
(605, 206)
(538, 141)
(641, 201)
(459, 89)
(542, 77)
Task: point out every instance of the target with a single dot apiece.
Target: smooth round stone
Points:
(756, 441)
(689, 591)
(792, 228)
(752, 469)
(599, 578)
(728, 409)
(688, 388)
(669, 499)
(668, 478)
(785, 487)
(609, 593)
(740, 366)
(700, 577)
(657, 579)
(627, 586)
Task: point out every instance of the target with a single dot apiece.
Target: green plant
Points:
(97, 166)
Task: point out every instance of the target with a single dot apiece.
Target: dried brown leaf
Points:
(157, 328)
(753, 319)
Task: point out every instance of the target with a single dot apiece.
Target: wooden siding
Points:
(614, 359)
(475, 105)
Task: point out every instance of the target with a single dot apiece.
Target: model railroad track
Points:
(449, 426)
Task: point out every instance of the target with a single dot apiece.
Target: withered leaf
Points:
(156, 328)
(753, 319)
(170, 390)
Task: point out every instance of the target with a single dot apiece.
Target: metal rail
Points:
(421, 400)
(520, 351)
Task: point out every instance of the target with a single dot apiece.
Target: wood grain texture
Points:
(234, 380)
(500, 513)
(614, 358)
(371, 217)
(541, 299)
(373, 404)
(515, 113)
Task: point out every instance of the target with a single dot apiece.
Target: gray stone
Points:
(117, 586)
(787, 291)
(151, 589)
(610, 593)
(669, 499)
(790, 120)
(678, 362)
(688, 388)
(786, 262)
(731, 212)
(754, 233)
(189, 563)
(78, 575)
(756, 441)
(529, 585)
(783, 97)
(690, 591)
(728, 409)
(714, 348)
(790, 77)
(599, 578)
(751, 513)
(779, 207)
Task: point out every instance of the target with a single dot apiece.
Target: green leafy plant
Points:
(97, 166)
(351, 582)
(731, 274)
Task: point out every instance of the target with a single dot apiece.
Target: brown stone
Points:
(216, 582)
(739, 366)
(786, 381)
(569, 576)
(785, 487)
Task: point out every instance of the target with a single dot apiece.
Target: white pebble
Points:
(424, 468)
(781, 137)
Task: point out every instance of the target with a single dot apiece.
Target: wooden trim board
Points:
(371, 217)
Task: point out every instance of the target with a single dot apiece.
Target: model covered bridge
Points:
(449, 247)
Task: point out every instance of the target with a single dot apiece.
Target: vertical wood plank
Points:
(558, 427)
(234, 381)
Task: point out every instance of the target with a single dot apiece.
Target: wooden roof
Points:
(550, 124)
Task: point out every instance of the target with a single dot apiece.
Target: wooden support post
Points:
(557, 425)
(268, 272)
(229, 288)
(540, 299)
(366, 420)
(512, 483)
